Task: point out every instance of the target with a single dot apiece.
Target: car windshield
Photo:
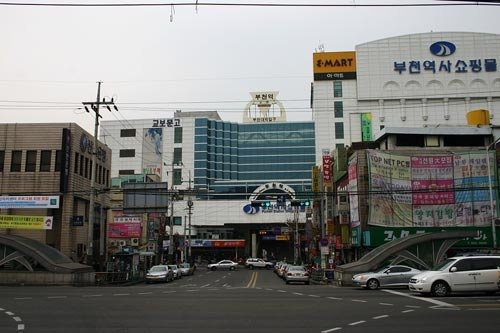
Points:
(158, 269)
(380, 270)
(296, 268)
(185, 265)
(443, 265)
(172, 266)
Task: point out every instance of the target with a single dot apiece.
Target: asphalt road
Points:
(240, 301)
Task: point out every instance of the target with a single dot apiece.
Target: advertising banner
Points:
(152, 148)
(26, 222)
(127, 219)
(124, 230)
(29, 202)
(228, 243)
(435, 190)
(352, 188)
(334, 65)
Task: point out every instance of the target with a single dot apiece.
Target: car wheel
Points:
(250, 266)
(372, 284)
(232, 268)
(287, 282)
(307, 282)
(440, 289)
(213, 268)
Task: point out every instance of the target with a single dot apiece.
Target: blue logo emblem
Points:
(442, 48)
(248, 209)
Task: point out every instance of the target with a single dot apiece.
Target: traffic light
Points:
(263, 204)
(300, 203)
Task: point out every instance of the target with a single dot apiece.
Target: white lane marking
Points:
(121, 294)
(406, 311)
(147, 293)
(20, 298)
(380, 317)
(268, 289)
(357, 323)
(191, 290)
(54, 297)
(205, 285)
(1, 309)
(168, 292)
(298, 294)
(96, 295)
(258, 288)
(281, 291)
(332, 330)
(359, 300)
(17, 319)
(430, 300)
(225, 285)
(20, 327)
(217, 280)
(412, 306)
(9, 313)
(439, 307)
(386, 304)
(313, 295)
(335, 298)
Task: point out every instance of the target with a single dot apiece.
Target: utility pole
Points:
(93, 167)
(190, 207)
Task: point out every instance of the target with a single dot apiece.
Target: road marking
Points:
(97, 295)
(313, 295)
(217, 280)
(54, 297)
(20, 298)
(121, 294)
(147, 293)
(269, 289)
(253, 280)
(386, 304)
(1, 309)
(335, 298)
(281, 291)
(380, 317)
(359, 300)
(205, 285)
(413, 306)
(430, 300)
(20, 327)
(9, 313)
(191, 290)
(357, 323)
(168, 292)
(332, 330)
(17, 318)
(406, 311)
(299, 294)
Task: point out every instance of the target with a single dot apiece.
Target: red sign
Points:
(124, 230)
(327, 176)
(228, 243)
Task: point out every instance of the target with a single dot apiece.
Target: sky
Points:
(154, 60)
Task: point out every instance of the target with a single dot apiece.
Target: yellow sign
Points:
(26, 222)
(282, 237)
(315, 179)
(334, 65)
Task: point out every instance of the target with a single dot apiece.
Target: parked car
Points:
(252, 263)
(187, 268)
(223, 264)
(176, 270)
(389, 276)
(159, 273)
(459, 274)
(282, 270)
(296, 274)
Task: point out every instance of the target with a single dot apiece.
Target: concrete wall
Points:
(46, 278)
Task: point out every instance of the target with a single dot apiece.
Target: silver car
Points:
(176, 270)
(223, 264)
(159, 273)
(389, 276)
(296, 274)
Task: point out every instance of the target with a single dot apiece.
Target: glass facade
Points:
(236, 158)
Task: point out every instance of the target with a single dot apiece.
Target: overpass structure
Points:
(27, 261)
(404, 249)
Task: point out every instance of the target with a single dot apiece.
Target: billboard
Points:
(435, 190)
(152, 149)
(26, 222)
(145, 198)
(27, 202)
(334, 65)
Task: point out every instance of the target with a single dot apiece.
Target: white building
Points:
(418, 80)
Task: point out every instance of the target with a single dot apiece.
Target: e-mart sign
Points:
(334, 65)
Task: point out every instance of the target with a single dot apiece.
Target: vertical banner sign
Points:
(152, 148)
(327, 169)
(315, 179)
(65, 160)
(366, 126)
(352, 188)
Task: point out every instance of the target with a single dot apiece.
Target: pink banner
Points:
(124, 230)
(433, 192)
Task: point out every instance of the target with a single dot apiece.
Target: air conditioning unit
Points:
(113, 243)
(123, 243)
(134, 241)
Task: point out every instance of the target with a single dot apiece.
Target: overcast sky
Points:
(154, 60)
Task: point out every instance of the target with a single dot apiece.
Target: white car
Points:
(459, 274)
(252, 263)
(177, 271)
(223, 264)
(390, 276)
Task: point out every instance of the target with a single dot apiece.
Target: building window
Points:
(127, 152)
(337, 88)
(177, 156)
(127, 133)
(58, 160)
(2, 160)
(177, 134)
(86, 172)
(338, 107)
(339, 130)
(77, 164)
(125, 172)
(30, 165)
(177, 178)
(45, 157)
(82, 159)
(15, 163)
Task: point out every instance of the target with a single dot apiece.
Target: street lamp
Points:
(490, 186)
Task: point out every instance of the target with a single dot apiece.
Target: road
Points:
(240, 301)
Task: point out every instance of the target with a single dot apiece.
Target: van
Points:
(459, 274)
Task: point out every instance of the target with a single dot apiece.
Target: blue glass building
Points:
(234, 159)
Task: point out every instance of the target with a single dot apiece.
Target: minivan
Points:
(460, 274)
